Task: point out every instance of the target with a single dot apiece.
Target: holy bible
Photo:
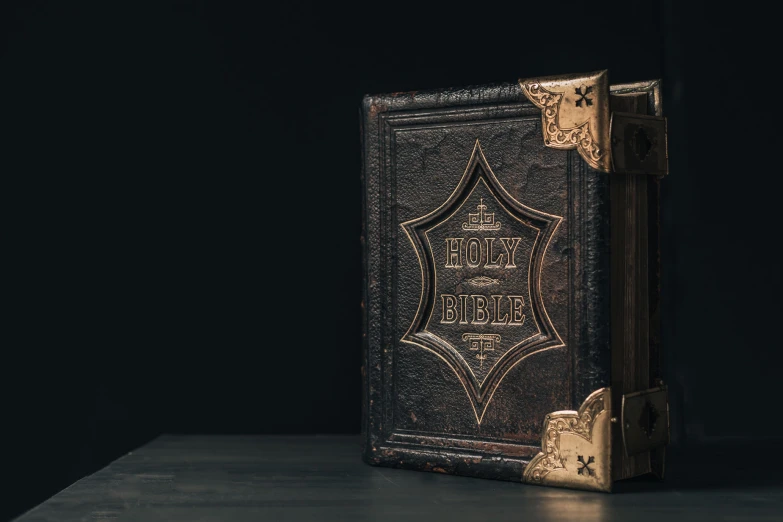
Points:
(511, 281)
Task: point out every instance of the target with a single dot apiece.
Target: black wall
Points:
(173, 169)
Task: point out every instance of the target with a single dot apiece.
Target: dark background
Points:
(171, 168)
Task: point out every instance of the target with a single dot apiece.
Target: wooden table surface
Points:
(292, 478)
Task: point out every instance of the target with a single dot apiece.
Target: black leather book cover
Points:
(486, 293)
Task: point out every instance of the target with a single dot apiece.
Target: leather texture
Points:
(428, 403)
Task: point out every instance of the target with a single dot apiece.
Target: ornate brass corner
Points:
(574, 114)
(576, 447)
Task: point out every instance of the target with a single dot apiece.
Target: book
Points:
(511, 281)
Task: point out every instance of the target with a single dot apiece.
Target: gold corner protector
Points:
(574, 114)
(576, 447)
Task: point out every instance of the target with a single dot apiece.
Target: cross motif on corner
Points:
(585, 465)
(583, 96)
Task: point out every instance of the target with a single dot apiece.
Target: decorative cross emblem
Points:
(583, 96)
(481, 343)
(481, 220)
(586, 465)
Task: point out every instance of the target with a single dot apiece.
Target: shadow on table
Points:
(734, 464)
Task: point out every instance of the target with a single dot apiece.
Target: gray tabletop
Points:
(286, 478)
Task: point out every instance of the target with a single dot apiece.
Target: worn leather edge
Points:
(471, 95)
(363, 302)
(594, 365)
(371, 426)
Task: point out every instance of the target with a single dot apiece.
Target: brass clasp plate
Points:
(645, 420)
(638, 144)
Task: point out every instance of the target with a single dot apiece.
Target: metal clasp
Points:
(639, 144)
(645, 420)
